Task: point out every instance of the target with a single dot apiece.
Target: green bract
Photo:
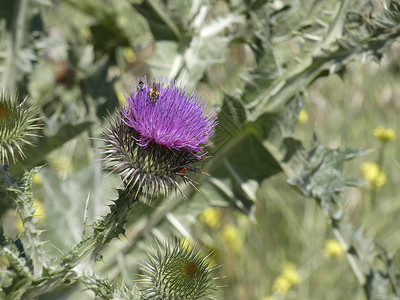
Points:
(17, 126)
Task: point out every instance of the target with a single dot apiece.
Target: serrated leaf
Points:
(322, 176)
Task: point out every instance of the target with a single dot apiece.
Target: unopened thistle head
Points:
(17, 125)
(158, 136)
(177, 272)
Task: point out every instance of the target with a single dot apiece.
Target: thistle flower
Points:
(17, 125)
(177, 272)
(157, 137)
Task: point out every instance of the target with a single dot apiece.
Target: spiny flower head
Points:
(168, 116)
(177, 272)
(157, 137)
(384, 134)
(17, 126)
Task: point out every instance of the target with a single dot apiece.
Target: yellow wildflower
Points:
(384, 134)
(267, 298)
(370, 171)
(333, 249)
(231, 236)
(211, 217)
(281, 285)
(373, 175)
(380, 180)
(290, 273)
(303, 116)
(129, 55)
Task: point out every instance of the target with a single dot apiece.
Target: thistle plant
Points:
(158, 138)
(17, 126)
(177, 272)
(257, 62)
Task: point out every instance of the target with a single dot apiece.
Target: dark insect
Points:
(183, 171)
(154, 92)
(140, 86)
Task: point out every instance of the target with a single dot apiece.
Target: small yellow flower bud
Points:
(333, 249)
(384, 134)
(373, 175)
(303, 116)
(231, 236)
(211, 217)
(129, 55)
(281, 285)
(290, 273)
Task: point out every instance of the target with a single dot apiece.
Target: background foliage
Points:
(279, 188)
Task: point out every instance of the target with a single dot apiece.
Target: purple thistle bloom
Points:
(174, 120)
(158, 137)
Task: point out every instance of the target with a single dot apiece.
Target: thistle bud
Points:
(177, 272)
(17, 126)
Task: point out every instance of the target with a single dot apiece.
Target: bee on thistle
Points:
(154, 92)
(140, 86)
(152, 146)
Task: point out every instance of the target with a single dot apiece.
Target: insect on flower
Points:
(183, 171)
(140, 86)
(154, 92)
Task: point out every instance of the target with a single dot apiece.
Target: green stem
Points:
(82, 257)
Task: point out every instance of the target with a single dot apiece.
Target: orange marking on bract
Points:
(190, 269)
(4, 112)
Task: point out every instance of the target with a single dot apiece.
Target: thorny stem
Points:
(82, 257)
(103, 231)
